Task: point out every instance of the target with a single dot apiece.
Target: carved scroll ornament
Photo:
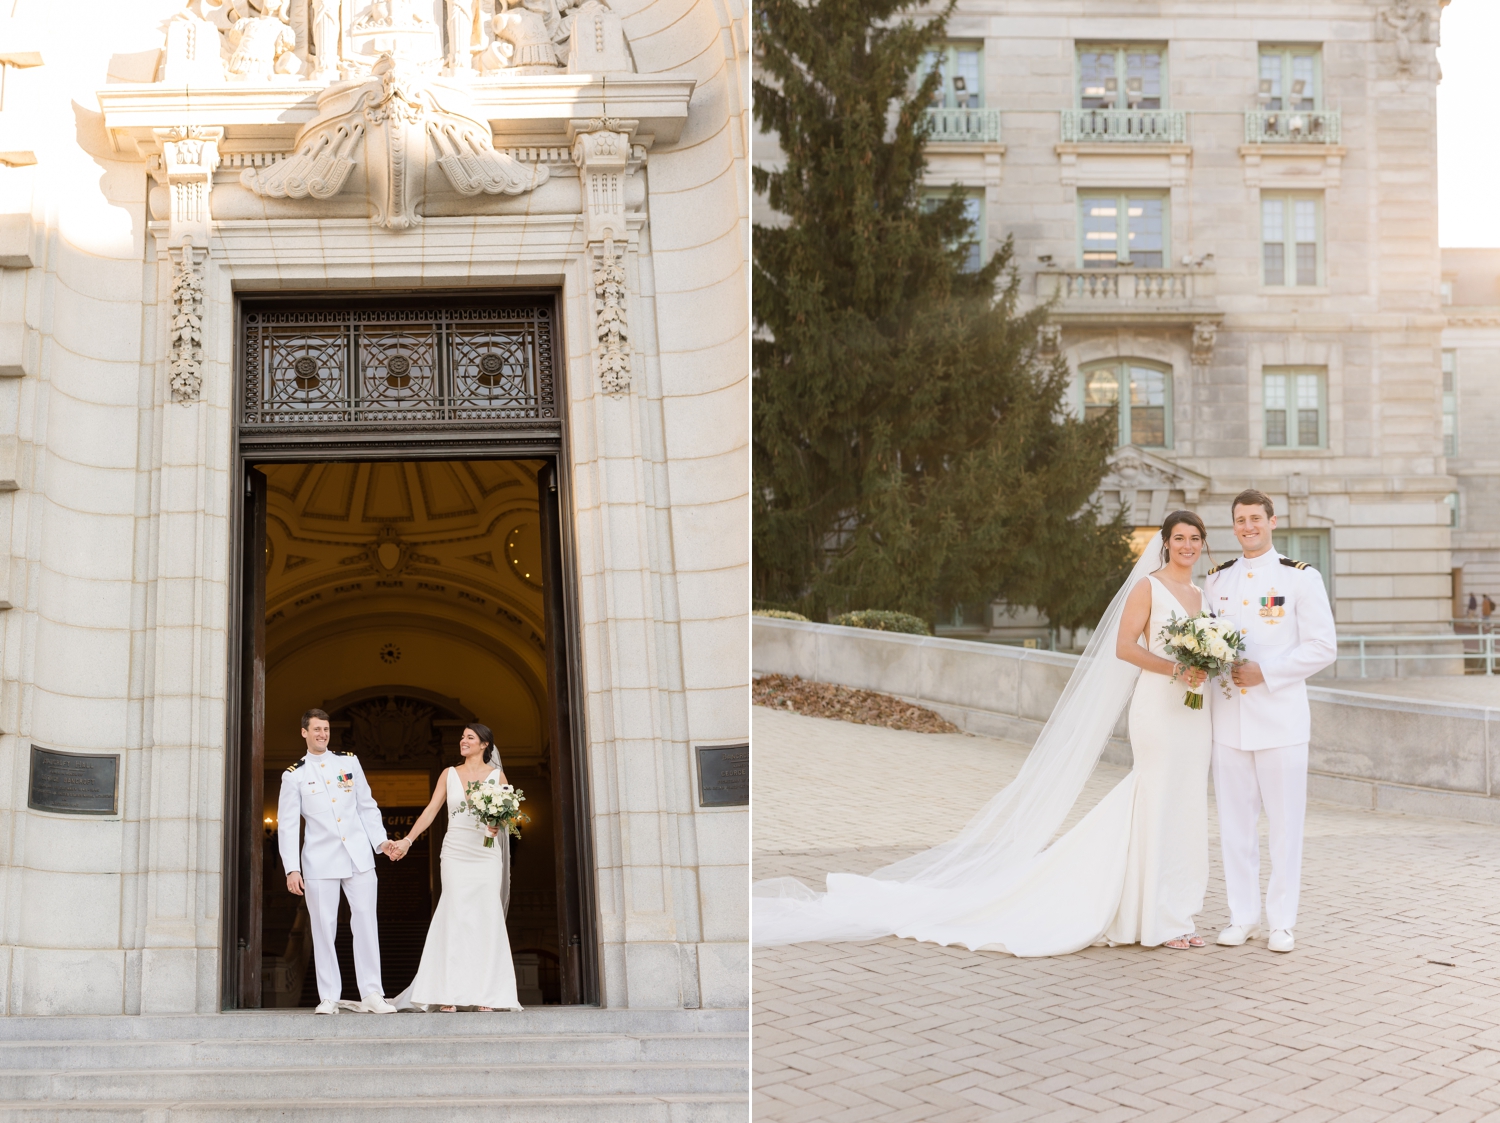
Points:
(402, 124)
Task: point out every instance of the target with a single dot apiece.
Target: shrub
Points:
(778, 614)
(881, 621)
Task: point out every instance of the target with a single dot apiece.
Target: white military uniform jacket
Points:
(328, 792)
(1282, 609)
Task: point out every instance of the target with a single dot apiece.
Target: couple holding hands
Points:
(466, 960)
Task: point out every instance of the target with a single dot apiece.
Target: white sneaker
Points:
(1237, 934)
(327, 1008)
(1281, 940)
(376, 1004)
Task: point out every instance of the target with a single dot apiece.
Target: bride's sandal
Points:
(1183, 943)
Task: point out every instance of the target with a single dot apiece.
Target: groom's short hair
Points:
(1250, 498)
(307, 717)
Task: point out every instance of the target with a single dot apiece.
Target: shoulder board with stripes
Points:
(1223, 565)
(296, 765)
(340, 752)
(1293, 564)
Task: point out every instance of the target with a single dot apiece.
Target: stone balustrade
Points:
(1114, 291)
(1129, 126)
(1300, 126)
(964, 126)
(1368, 750)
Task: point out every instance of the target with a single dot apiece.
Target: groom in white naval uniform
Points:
(328, 791)
(1262, 729)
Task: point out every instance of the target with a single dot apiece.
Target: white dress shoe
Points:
(1237, 934)
(1281, 940)
(376, 1004)
(327, 1008)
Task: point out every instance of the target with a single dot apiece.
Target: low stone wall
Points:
(1368, 750)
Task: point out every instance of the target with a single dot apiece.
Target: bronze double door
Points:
(402, 562)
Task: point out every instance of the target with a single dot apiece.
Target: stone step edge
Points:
(406, 1070)
(322, 1103)
(436, 1039)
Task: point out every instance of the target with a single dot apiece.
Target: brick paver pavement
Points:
(1359, 1023)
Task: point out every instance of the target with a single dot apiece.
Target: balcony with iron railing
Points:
(1292, 126)
(1124, 126)
(963, 126)
(1127, 294)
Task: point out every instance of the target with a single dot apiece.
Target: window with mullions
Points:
(1294, 407)
(1121, 76)
(1122, 230)
(974, 212)
(962, 67)
(1310, 546)
(1146, 390)
(1290, 78)
(1450, 403)
(1291, 228)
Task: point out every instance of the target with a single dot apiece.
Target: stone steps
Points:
(552, 1063)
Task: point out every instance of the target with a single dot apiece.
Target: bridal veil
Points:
(1000, 862)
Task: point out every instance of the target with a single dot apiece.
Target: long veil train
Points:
(998, 885)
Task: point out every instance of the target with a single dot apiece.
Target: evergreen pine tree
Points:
(911, 448)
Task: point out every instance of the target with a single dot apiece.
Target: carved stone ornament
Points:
(185, 349)
(1049, 340)
(1204, 334)
(611, 343)
(405, 128)
(189, 157)
(1406, 23)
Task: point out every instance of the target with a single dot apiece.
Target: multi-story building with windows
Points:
(1232, 212)
(1470, 295)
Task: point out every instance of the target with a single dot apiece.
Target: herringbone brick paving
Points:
(1358, 1023)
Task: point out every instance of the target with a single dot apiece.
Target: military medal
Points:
(1271, 607)
(346, 781)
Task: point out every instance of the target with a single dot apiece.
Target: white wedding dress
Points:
(466, 959)
(1133, 870)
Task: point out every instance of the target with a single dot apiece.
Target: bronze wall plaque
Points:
(723, 775)
(74, 783)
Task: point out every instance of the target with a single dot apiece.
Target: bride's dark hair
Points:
(486, 737)
(1177, 518)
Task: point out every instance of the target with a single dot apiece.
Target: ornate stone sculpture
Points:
(523, 40)
(603, 153)
(1204, 334)
(1049, 340)
(262, 44)
(611, 338)
(189, 158)
(596, 42)
(185, 353)
(1407, 23)
(193, 54)
(405, 124)
(463, 28)
(323, 26)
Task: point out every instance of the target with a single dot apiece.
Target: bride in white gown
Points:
(1134, 870)
(466, 959)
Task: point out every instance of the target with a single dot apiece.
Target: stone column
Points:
(183, 648)
(649, 915)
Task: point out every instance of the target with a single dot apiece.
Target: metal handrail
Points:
(1475, 645)
(1130, 126)
(1292, 126)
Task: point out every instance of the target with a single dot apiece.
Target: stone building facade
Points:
(416, 329)
(1233, 211)
(1471, 416)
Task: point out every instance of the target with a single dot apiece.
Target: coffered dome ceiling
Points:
(464, 532)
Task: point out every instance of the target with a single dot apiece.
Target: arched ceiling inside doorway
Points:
(336, 531)
(423, 574)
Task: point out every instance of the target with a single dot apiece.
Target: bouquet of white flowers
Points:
(1211, 644)
(496, 805)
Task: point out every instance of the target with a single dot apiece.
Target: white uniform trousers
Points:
(323, 910)
(1243, 782)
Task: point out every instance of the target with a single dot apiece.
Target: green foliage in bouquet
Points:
(879, 621)
(911, 446)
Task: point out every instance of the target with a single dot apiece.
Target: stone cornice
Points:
(520, 109)
(1472, 316)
